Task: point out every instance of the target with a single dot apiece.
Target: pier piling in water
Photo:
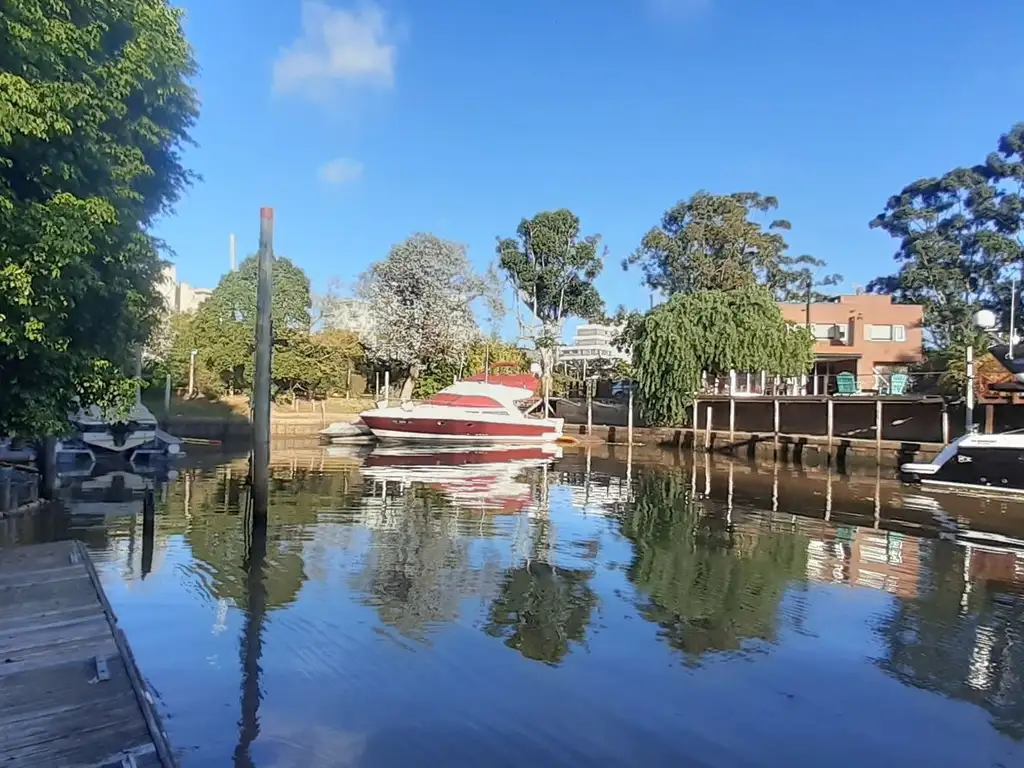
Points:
(261, 378)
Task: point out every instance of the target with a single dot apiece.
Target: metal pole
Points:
(167, 394)
(231, 247)
(969, 418)
(732, 420)
(945, 424)
(261, 377)
(775, 405)
(1013, 316)
(707, 430)
(387, 388)
(138, 375)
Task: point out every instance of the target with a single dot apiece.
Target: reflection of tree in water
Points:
(970, 649)
(418, 569)
(204, 508)
(541, 609)
(707, 586)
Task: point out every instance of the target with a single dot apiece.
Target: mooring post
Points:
(590, 409)
(696, 423)
(878, 429)
(629, 420)
(831, 420)
(775, 406)
(148, 530)
(990, 418)
(387, 388)
(732, 417)
(6, 476)
(945, 423)
(707, 430)
(167, 395)
(261, 377)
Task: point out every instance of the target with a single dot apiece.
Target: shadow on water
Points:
(499, 606)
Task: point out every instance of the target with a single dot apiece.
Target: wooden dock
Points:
(70, 693)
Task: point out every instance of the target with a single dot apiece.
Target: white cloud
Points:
(338, 49)
(341, 170)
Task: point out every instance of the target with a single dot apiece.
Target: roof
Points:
(479, 391)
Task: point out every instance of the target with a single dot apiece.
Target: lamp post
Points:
(985, 320)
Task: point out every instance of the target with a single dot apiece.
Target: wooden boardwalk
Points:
(70, 693)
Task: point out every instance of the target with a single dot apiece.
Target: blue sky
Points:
(363, 123)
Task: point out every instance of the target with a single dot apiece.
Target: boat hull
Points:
(985, 464)
(107, 442)
(411, 428)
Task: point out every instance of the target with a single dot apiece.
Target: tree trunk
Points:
(547, 364)
(410, 382)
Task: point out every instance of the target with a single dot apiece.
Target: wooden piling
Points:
(945, 424)
(590, 409)
(990, 418)
(629, 421)
(261, 377)
(878, 428)
(775, 408)
(707, 430)
(732, 420)
(830, 405)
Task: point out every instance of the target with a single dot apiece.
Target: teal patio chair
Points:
(846, 384)
(898, 384)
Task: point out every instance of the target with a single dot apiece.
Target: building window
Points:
(885, 332)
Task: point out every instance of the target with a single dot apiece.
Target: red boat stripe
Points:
(457, 427)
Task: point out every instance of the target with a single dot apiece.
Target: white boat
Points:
(107, 434)
(473, 411)
(975, 462)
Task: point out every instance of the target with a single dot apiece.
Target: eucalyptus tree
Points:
(551, 268)
(712, 242)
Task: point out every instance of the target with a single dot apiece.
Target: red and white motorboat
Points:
(469, 410)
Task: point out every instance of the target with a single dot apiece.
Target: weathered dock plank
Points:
(70, 693)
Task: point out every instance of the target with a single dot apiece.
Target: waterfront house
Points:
(865, 334)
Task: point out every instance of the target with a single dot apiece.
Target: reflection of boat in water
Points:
(469, 411)
(111, 494)
(479, 477)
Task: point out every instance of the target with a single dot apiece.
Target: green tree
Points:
(961, 240)
(712, 331)
(552, 269)
(420, 302)
(710, 242)
(497, 356)
(225, 325)
(95, 106)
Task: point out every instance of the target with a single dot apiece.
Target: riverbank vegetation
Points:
(95, 108)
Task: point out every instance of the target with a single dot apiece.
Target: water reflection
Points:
(444, 607)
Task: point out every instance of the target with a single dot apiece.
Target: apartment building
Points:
(864, 334)
(592, 342)
(179, 296)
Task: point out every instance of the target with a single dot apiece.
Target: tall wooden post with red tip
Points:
(261, 377)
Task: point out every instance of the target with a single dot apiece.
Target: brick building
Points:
(864, 334)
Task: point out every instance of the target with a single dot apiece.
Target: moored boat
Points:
(975, 462)
(466, 411)
(102, 433)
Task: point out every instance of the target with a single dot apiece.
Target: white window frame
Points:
(897, 333)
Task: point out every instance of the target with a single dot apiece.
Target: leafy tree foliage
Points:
(225, 325)
(552, 269)
(713, 331)
(710, 243)
(94, 107)
(498, 356)
(420, 302)
(961, 240)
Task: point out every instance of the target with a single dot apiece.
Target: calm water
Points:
(524, 610)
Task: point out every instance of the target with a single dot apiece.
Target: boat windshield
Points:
(452, 400)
